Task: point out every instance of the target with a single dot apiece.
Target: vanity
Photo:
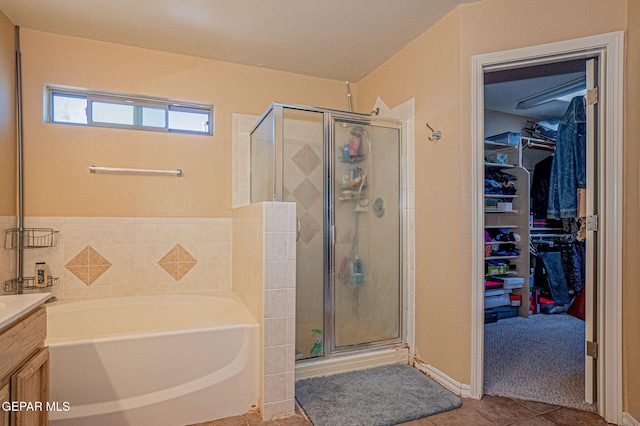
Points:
(24, 360)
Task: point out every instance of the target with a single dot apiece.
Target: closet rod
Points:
(540, 146)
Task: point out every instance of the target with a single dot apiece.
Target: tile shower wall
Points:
(105, 257)
(264, 277)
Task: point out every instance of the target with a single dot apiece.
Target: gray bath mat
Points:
(385, 395)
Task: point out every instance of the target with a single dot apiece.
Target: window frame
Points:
(137, 101)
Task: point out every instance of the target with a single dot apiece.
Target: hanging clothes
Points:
(540, 188)
(568, 171)
(551, 274)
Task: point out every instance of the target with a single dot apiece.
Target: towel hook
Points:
(435, 134)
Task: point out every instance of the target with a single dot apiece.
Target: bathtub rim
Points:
(136, 334)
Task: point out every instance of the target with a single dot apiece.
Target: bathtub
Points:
(152, 360)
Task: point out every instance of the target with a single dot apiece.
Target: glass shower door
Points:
(366, 253)
(343, 172)
(303, 177)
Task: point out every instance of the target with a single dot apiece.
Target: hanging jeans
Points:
(552, 261)
(568, 171)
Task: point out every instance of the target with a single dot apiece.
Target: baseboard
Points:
(446, 381)
(627, 420)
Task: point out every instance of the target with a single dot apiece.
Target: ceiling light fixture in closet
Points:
(573, 87)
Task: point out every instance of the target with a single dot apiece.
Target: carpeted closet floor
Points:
(537, 359)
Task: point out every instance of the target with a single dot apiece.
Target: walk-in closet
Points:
(535, 165)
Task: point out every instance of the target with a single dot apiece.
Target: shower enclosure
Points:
(343, 172)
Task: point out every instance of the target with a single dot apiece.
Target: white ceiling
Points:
(505, 89)
(336, 39)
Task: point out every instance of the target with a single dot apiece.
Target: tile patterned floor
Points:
(490, 411)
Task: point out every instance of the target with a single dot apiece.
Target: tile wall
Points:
(242, 126)
(264, 252)
(109, 257)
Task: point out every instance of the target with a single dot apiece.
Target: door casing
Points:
(608, 48)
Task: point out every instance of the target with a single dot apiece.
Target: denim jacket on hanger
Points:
(568, 171)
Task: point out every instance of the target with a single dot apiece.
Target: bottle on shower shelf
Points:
(40, 278)
(345, 153)
(316, 350)
(355, 143)
(357, 265)
(355, 269)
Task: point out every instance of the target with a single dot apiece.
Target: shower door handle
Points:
(297, 229)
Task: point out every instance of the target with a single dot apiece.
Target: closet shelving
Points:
(513, 220)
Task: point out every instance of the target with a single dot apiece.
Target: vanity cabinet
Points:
(24, 370)
(5, 397)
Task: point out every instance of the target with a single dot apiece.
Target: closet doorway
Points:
(542, 265)
(539, 264)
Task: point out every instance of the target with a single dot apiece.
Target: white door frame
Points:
(609, 49)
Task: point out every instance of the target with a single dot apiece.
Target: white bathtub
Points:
(152, 360)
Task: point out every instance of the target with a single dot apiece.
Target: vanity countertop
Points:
(15, 305)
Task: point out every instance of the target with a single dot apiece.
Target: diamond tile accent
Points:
(177, 262)
(307, 160)
(306, 194)
(88, 265)
(309, 228)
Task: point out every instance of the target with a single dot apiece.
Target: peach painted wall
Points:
(428, 69)
(436, 69)
(7, 118)
(631, 248)
(57, 156)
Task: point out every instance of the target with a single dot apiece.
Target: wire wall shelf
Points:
(27, 238)
(28, 283)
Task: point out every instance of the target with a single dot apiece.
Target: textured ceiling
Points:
(336, 39)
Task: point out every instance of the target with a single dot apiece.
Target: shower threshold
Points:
(352, 361)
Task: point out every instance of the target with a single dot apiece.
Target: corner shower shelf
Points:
(28, 283)
(354, 159)
(28, 238)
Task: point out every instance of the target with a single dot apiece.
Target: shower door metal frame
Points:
(329, 116)
(329, 343)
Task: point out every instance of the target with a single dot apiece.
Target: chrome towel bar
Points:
(94, 169)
